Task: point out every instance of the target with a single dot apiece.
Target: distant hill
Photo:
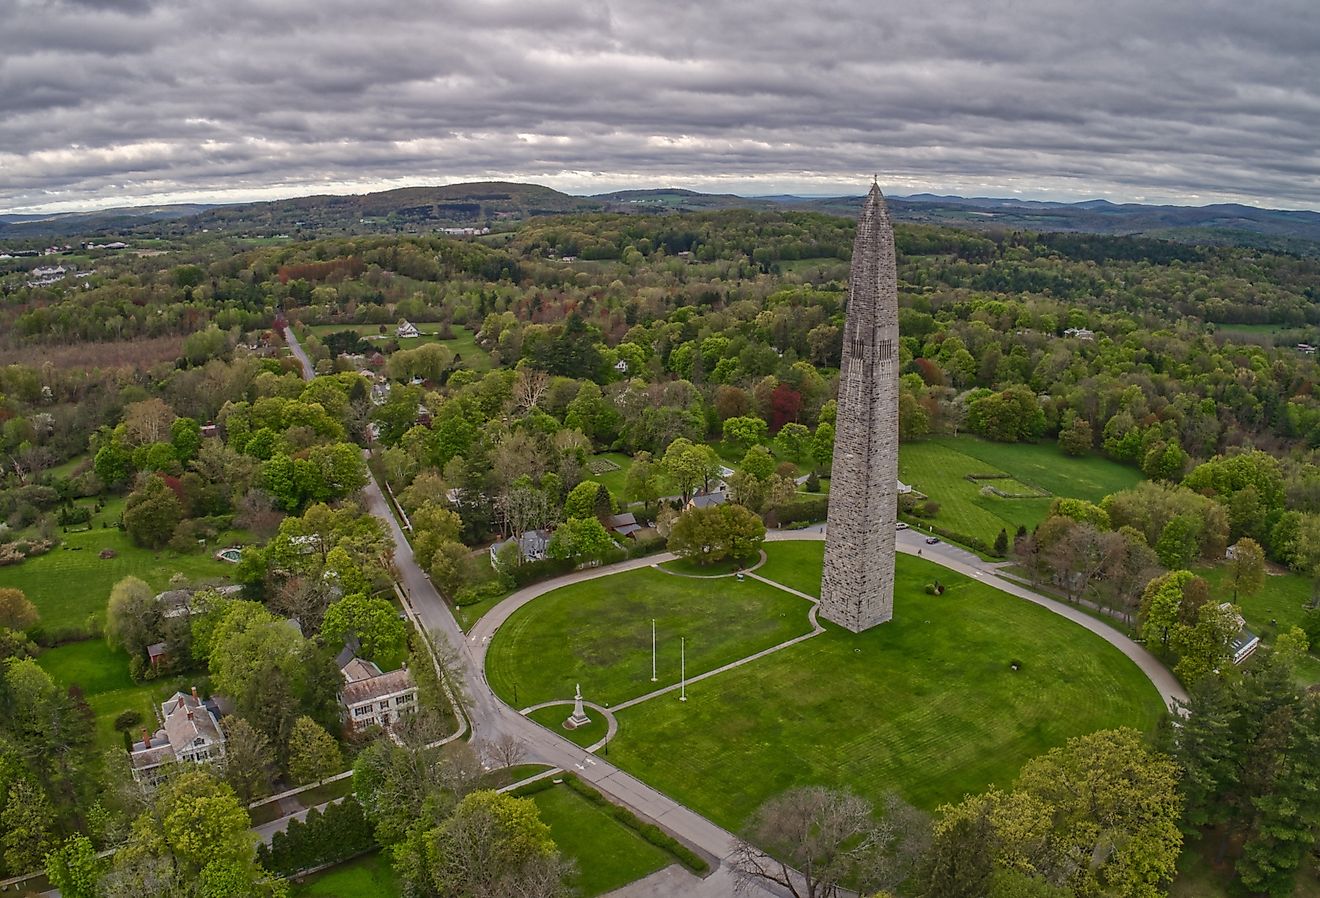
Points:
(404, 209)
(68, 224)
(425, 209)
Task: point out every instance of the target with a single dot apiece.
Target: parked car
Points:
(932, 540)
(900, 526)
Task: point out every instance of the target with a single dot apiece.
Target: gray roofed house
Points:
(532, 545)
(1244, 642)
(708, 500)
(623, 524)
(373, 698)
(190, 731)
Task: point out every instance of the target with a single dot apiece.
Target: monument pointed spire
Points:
(857, 586)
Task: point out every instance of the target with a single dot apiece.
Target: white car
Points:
(900, 526)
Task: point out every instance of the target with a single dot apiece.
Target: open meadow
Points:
(72, 581)
(926, 705)
(938, 467)
(598, 633)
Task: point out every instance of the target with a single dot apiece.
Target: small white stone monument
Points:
(579, 717)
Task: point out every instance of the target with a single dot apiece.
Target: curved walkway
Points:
(611, 722)
(743, 570)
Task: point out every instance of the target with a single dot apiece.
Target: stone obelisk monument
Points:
(857, 588)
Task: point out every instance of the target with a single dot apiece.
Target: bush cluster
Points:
(804, 510)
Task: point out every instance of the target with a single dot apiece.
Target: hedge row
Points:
(648, 831)
(339, 833)
(806, 510)
(972, 542)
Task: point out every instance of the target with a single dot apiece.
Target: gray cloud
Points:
(108, 103)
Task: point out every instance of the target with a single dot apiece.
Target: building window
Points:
(365, 709)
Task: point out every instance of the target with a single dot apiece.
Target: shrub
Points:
(128, 720)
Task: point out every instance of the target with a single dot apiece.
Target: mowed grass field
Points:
(938, 467)
(1279, 605)
(102, 674)
(464, 343)
(72, 581)
(598, 633)
(369, 876)
(608, 854)
(925, 705)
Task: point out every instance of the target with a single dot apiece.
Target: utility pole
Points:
(653, 679)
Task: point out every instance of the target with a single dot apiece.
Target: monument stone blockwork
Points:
(857, 586)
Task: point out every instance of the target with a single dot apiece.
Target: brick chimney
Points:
(179, 703)
(146, 738)
(194, 692)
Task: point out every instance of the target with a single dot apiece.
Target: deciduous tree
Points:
(313, 753)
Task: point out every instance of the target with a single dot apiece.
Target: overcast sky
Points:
(118, 102)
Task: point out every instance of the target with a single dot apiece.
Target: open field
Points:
(925, 705)
(102, 674)
(795, 563)
(369, 876)
(598, 633)
(1044, 465)
(937, 467)
(612, 480)
(1279, 605)
(464, 344)
(72, 581)
(938, 471)
(608, 854)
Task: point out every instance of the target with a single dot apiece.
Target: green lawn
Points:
(464, 344)
(598, 633)
(1279, 605)
(613, 480)
(608, 854)
(937, 467)
(795, 564)
(72, 581)
(102, 674)
(715, 569)
(1044, 465)
(925, 705)
(369, 876)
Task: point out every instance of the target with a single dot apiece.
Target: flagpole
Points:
(653, 679)
(682, 670)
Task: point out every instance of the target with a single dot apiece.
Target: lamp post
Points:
(682, 669)
(653, 679)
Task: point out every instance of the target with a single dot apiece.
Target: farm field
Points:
(926, 705)
(938, 468)
(72, 582)
(598, 633)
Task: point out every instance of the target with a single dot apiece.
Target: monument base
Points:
(576, 721)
